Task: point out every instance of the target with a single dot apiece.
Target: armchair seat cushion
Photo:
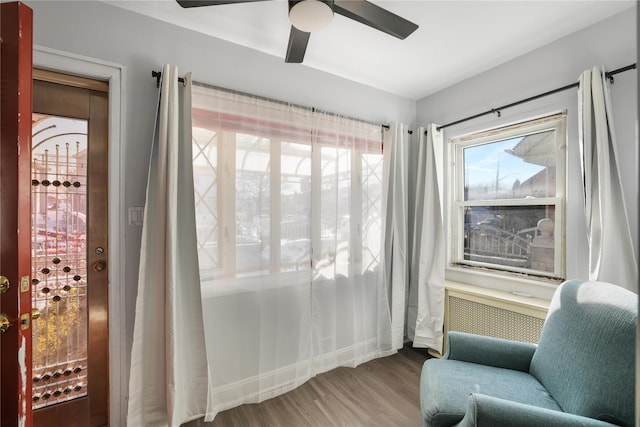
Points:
(445, 395)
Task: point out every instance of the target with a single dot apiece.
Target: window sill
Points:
(520, 286)
(214, 288)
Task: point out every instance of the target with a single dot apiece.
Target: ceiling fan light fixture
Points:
(310, 15)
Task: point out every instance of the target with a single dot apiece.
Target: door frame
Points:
(64, 62)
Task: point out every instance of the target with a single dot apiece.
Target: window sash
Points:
(555, 123)
(558, 262)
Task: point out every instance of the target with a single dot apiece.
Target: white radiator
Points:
(493, 313)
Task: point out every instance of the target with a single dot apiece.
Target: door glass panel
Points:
(59, 276)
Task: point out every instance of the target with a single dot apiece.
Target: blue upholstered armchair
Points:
(582, 373)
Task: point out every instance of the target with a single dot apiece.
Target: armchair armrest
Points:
(483, 410)
(489, 351)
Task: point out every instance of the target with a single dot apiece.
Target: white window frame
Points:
(554, 122)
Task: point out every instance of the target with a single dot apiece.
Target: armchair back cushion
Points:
(586, 354)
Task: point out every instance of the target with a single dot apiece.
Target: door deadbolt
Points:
(99, 265)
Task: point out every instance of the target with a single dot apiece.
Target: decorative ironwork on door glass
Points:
(59, 261)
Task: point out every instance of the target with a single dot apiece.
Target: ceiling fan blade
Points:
(298, 41)
(375, 17)
(198, 3)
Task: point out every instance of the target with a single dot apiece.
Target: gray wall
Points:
(611, 43)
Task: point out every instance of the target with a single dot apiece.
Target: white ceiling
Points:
(455, 40)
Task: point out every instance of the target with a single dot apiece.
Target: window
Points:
(508, 187)
(283, 191)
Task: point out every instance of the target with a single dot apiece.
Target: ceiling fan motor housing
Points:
(310, 15)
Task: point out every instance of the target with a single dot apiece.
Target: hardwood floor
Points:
(383, 392)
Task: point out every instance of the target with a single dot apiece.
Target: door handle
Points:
(4, 284)
(4, 323)
(25, 320)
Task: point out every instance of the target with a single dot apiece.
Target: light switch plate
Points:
(136, 216)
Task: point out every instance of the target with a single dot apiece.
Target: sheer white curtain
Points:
(288, 206)
(169, 378)
(351, 317)
(415, 246)
(611, 253)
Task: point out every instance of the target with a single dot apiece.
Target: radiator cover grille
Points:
(492, 313)
(476, 318)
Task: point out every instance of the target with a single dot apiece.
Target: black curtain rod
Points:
(387, 127)
(609, 75)
(158, 74)
(409, 131)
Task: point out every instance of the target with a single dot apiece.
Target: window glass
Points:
(295, 248)
(253, 195)
(513, 168)
(510, 235)
(371, 209)
(205, 167)
(335, 210)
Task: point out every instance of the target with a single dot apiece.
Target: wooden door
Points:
(16, 47)
(69, 251)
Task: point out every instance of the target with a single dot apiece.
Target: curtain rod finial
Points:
(157, 75)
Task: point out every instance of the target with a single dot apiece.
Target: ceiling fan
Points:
(307, 16)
